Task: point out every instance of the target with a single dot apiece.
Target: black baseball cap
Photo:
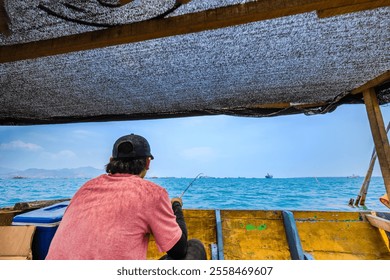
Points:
(131, 147)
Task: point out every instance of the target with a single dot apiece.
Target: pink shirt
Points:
(111, 217)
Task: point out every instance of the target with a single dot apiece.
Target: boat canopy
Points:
(101, 60)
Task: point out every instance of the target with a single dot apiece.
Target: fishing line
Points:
(190, 184)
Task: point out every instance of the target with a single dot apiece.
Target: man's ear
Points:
(148, 160)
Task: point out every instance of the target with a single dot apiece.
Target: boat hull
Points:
(262, 234)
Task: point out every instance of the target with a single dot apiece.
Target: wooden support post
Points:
(379, 134)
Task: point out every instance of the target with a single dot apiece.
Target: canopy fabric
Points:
(300, 63)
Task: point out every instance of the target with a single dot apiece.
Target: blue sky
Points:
(335, 144)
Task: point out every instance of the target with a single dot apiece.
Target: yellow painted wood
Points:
(254, 235)
(346, 237)
(385, 238)
(200, 224)
(260, 235)
(335, 216)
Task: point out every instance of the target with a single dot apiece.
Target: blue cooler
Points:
(46, 220)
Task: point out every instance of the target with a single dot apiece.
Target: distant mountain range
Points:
(81, 172)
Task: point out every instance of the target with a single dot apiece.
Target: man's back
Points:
(111, 217)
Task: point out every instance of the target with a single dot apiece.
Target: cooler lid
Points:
(47, 215)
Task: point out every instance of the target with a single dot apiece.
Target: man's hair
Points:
(126, 166)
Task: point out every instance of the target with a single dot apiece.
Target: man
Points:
(112, 216)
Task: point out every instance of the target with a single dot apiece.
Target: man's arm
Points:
(179, 250)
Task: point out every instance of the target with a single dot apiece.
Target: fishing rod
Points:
(190, 185)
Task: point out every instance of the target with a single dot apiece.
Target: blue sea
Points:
(330, 193)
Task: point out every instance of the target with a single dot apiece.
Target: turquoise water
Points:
(222, 193)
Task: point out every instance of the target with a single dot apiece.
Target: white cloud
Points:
(20, 145)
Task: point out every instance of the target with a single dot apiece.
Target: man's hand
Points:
(177, 199)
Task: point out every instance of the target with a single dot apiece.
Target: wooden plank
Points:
(342, 240)
(352, 8)
(373, 83)
(16, 242)
(378, 222)
(31, 205)
(379, 134)
(171, 26)
(254, 235)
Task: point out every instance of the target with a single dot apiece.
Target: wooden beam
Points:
(171, 26)
(31, 205)
(373, 83)
(352, 8)
(378, 222)
(379, 134)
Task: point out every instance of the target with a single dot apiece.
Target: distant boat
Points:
(354, 176)
(269, 176)
(18, 177)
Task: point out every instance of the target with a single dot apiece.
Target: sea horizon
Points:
(91, 172)
(303, 193)
(174, 177)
